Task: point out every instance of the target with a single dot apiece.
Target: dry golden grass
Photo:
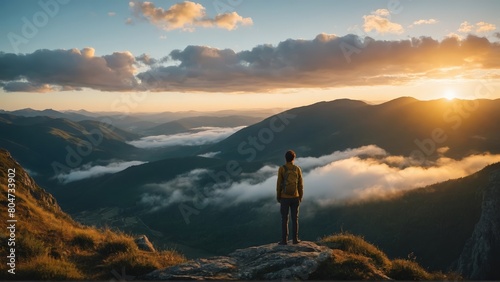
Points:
(354, 258)
(52, 246)
(357, 245)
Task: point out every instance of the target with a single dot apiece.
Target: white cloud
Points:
(429, 21)
(311, 162)
(479, 27)
(111, 14)
(465, 27)
(210, 154)
(177, 190)
(88, 171)
(198, 136)
(421, 22)
(485, 27)
(382, 12)
(353, 175)
(380, 22)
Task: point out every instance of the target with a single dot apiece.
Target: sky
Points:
(135, 56)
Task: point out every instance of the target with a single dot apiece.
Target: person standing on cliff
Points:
(289, 192)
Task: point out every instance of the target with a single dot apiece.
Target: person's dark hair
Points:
(290, 155)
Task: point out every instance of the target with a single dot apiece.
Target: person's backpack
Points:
(290, 180)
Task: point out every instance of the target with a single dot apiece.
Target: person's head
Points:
(289, 156)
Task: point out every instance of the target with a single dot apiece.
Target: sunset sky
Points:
(236, 54)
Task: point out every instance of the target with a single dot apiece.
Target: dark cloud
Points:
(21, 86)
(67, 68)
(146, 59)
(326, 61)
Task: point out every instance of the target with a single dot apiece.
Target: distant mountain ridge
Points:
(44, 142)
(403, 126)
(190, 123)
(142, 122)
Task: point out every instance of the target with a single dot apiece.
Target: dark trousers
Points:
(292, 205)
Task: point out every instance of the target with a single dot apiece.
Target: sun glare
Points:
(449, 94)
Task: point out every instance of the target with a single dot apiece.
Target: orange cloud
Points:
(186, 15)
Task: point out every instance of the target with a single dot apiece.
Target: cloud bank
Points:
(198, 136)
(353, 175)
(326, 61)
(46, 70)
(186, 16)
(89, 171)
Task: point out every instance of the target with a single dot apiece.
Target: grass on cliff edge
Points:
(51, 246)
(355, 259)
(84, 254)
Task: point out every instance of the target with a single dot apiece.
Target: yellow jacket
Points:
(300, 185)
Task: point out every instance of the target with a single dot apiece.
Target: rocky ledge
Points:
(267, 262)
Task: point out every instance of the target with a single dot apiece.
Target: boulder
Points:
(267, 262)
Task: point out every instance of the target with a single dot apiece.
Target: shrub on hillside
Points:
(118, 245)
(30, 246)
(48, 268)
(347, 266)
(357, 245)
(142, 262)
(403, 269)
(83, 241)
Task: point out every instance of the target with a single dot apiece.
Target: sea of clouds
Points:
(196, 137)
(359, 174)
(89, 170)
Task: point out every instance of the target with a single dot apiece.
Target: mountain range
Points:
(185, 196)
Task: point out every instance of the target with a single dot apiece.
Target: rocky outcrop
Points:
(144, 244)
(26, 184)
(480, 258)
(267, 262)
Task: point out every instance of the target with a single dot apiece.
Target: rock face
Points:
(267, 262)
(481, 255)
(26, 184)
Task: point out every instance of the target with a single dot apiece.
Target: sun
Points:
(450, 94)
